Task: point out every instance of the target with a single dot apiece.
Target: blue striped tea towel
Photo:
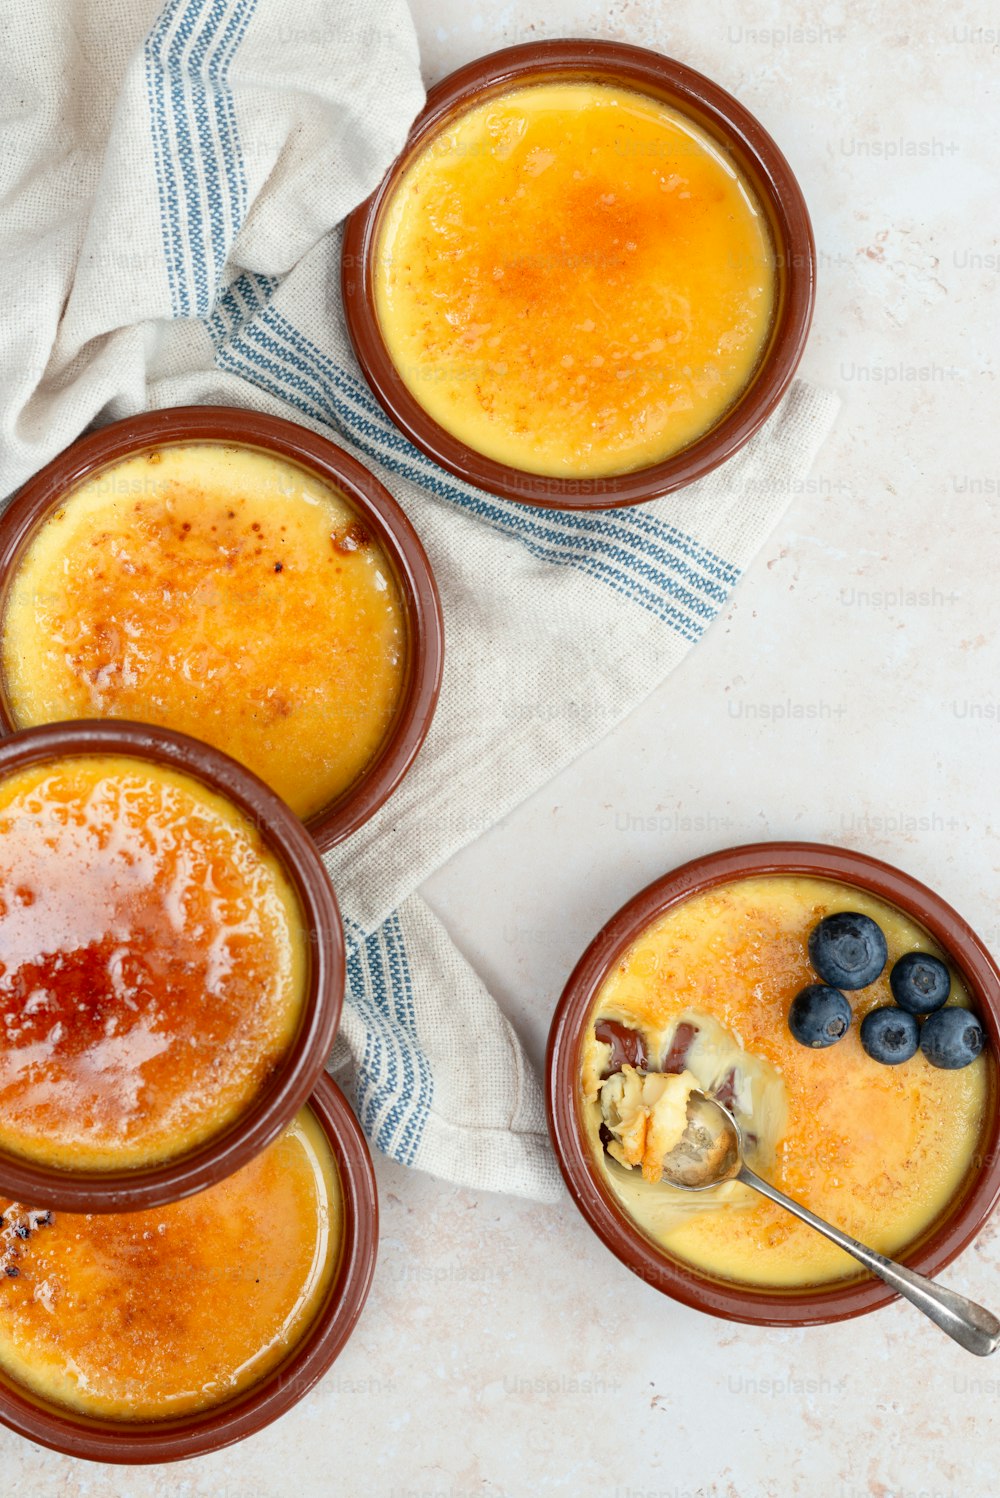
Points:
(173, 183)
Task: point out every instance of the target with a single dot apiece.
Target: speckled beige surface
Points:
(850, 694)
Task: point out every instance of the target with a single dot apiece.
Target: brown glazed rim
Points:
(136, 1187)
(234, 426)
(730, 1299)
(192, 1435)
(759, 160)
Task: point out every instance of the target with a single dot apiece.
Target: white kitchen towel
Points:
(173, 179)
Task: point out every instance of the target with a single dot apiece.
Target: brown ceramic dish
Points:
(741, 138)
(733, 1301)
(217, 424)
(289, 1085)
(188, 1436)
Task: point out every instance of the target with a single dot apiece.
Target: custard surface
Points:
(879, 1151)
(221, 591)
(147, 1315)
(572, 279)
(152, 963)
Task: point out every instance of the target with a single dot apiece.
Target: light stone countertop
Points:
(851, 694)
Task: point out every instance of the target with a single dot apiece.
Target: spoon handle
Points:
(966, 1323)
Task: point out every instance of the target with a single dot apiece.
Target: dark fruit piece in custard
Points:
(819, 1016)
(890, 1035)
(920, 983)
(848, 950)
(628, 1046)
(951, 1038)
(675, 1061)
(725, 1093)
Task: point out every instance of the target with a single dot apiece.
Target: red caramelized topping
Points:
(628, 1046)
(348, 538)
(675, 1060)
(141, 963)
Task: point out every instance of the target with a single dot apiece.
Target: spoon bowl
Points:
(710, 1152)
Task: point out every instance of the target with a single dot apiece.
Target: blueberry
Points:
(920, 983)
(890, 1035)
(951, 1038)
(819, 1016)
(848, 950)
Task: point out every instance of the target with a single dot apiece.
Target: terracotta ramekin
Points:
(129, 1442)
(223, 424)
(755, 156)
(726, 1298)
(138, 1187)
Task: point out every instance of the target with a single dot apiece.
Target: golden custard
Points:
(572, 279)
(152, 963)
(148, 1315)
(221, 591)
(879, 1151)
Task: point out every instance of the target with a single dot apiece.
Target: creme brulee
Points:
(221, 591)
(149, 1315)
(152, 963)
(878, 1150)
(573, 279)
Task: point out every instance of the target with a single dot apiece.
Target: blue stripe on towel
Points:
(209, 161)
(221, 95)
(394, 1085)
(196, 149)
(163, 153)
(237, 303)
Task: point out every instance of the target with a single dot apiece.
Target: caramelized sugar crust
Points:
(144, 1315)
(152, 963)
(223, 592)
(573, 279)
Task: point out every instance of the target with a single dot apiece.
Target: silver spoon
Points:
(711, 1152)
